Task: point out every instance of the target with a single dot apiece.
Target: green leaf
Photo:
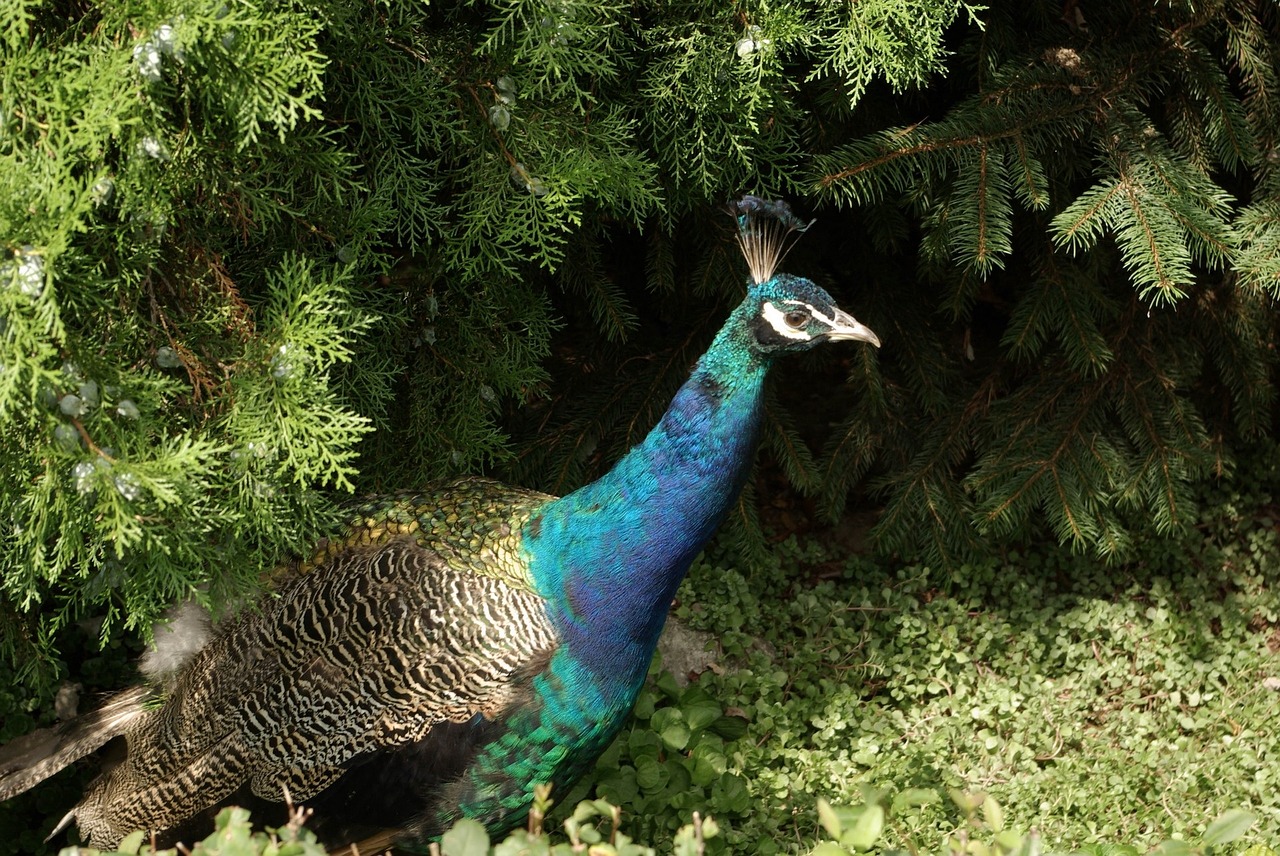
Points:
(666, 682)
(993, 813)
(730, 727)
(866, 828)
(829, 819)
(1110, 850)
(915, 798)
(132, 842)
(1009, 841)
(650, 775)
(619, 785)
(967, 801)
(1173, 847)
(467, 837)
(701, 713)
(730, 794)
(829, 848)
(1228, 827)
(645, 704)
(671, 727)
(702, 771)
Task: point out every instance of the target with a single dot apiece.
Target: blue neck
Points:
(610, 556)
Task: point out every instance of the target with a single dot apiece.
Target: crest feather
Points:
(764, 228)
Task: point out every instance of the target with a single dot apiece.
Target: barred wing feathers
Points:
(377, 642)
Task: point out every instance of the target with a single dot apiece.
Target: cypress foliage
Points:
(257, 255)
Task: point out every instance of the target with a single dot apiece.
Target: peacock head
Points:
(784, 312)
(790, 313)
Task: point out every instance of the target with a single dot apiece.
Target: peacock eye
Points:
(796, 318)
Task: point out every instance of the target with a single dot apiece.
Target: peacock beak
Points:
(845, 327)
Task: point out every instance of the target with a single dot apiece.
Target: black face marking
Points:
(768, 337)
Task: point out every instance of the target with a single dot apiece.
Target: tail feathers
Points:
(28, 760)
(67, 819)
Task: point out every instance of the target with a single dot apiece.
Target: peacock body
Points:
(459, 645)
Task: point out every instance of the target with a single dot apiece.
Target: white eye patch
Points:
(777, 320)
(829, 320)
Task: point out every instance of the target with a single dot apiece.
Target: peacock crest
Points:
(766, 232)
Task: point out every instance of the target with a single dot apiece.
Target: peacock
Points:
(460, 644)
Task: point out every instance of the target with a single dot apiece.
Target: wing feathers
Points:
(365, 653)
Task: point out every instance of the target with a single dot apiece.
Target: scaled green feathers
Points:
(471, 523)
